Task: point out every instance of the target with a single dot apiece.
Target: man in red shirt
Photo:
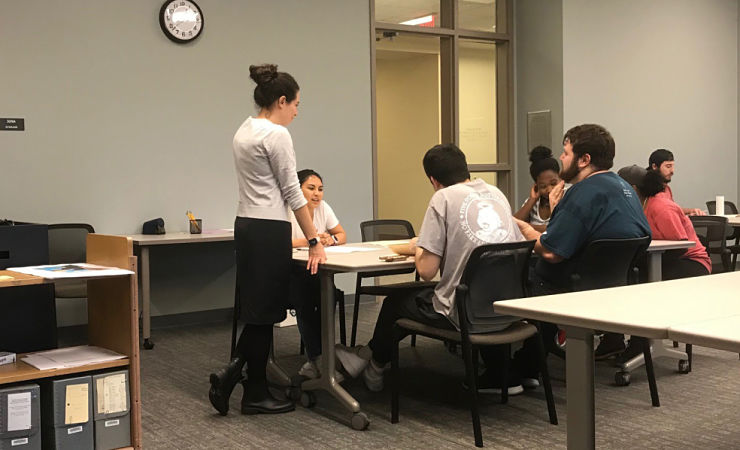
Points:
(661, 161)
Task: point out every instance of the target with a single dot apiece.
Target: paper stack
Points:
(71, 357)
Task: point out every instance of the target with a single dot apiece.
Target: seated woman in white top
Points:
(305, 288)
(324, 219)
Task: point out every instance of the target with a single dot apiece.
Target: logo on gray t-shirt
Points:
(481, 218)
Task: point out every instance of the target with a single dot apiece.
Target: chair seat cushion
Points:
(388, 289)
(517, 331)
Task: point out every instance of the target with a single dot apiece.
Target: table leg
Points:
(327, 381)
(579, 378)
(655, 267)
(657, 350)
(146, 320)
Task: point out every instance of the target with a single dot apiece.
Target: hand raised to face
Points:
(556, 194)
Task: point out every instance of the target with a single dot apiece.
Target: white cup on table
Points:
(719, 205)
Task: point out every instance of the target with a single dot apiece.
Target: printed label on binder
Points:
(15, 442)
(112, 423)
(74, 430)
(76, 404)
(19, 411)
(111, 394)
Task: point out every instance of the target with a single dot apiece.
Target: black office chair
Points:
(713, 232)
(734, 247)
(381, 230)
(493, 272)
(28, 321)
(68, 244)
(606, 263)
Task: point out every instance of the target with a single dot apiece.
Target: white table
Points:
(650, 310)
(339, 263)
(655, 256)
(144, 241)
(722, 334)
(733, 219)
(655, 273)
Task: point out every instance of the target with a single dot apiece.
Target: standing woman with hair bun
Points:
(268, 191)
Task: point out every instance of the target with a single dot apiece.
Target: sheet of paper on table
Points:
(343, 249)
(77, 270)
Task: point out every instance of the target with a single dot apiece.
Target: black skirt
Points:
(264, 256)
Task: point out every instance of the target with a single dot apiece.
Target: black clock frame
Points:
(172, 37)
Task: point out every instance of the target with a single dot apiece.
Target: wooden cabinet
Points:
(112, 307)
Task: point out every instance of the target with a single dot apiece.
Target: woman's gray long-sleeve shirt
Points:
(265, 169)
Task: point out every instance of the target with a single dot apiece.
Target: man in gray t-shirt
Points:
(461, 216)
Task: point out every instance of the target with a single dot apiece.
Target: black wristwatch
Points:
(312, 242)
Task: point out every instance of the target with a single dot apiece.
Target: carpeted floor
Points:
(698, 410)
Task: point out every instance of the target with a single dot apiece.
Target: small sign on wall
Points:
(12, 124)
(538, 129)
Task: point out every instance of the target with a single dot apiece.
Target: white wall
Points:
(539, 79)
(123, 125)
(659, 74)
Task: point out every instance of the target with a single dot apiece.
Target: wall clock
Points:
(181, 20)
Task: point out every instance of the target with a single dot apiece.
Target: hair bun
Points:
(263, 73)
(539, 153)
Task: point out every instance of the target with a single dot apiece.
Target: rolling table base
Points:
(327, 380)
(657, 349)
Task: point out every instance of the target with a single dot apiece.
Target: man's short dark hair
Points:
(658, 157)
(594, 140)
(447, 164)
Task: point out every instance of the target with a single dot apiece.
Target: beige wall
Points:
(478, 102)
(408, 119)
(408, 125)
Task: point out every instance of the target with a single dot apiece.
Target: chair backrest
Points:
(23, 245)
(68, 242)
(608, 263)
(713, 232)
(730, 207)
(386, 230)
(493, 272)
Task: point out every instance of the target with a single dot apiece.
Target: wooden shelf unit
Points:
(113, 320)
(20, 371)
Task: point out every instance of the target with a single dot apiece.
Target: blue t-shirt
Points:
(603, 206)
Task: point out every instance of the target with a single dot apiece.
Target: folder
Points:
(20, 418)
(67, 419)
(111, 410)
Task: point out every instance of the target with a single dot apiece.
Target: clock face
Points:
(181, 20)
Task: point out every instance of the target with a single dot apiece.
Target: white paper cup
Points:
(719, 205)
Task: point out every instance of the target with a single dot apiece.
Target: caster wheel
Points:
(683, 366)
(308, 399)
(622, 378)
(148, 345)
(360, 421)
(293, 393)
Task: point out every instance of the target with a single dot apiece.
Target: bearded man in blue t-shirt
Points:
(599, 205)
